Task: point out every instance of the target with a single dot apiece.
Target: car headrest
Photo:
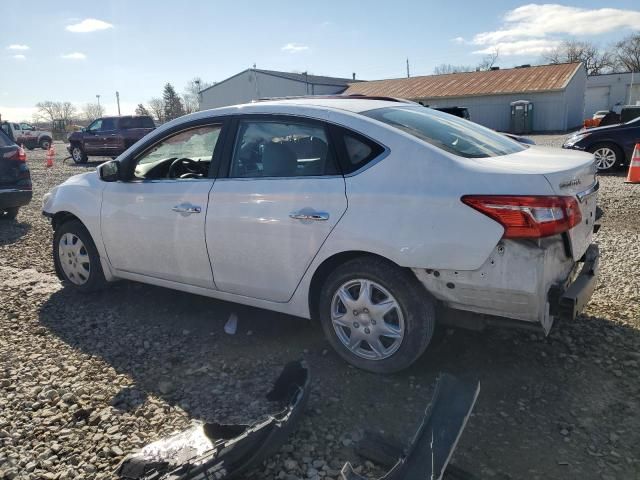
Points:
(278, 161)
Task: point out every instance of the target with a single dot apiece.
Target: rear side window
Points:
(108, 124)
(267, 148)
(358, 151)
(451, 134)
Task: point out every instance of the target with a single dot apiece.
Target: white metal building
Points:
(556, 91)
(605, 92)
(253, 84)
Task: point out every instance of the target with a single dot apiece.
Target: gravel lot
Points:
(86, 379)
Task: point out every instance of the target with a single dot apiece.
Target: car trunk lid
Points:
(569, 173)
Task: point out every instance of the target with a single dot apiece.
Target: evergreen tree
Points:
(173, 107)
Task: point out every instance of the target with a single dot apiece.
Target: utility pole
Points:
(98, 97)
(408, 75)
(197, 82)
(118, 100)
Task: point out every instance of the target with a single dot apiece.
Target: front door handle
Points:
(187, 209)
(317, 216)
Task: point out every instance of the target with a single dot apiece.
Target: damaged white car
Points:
(377, 217)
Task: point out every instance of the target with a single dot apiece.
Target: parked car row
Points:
(368, 215)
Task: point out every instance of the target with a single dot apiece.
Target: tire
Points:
(608, 156)
(9, 213)
(79, 267)
(410, 321)
(44, 143)
(78, 155)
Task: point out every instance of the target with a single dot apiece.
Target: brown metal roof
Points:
(541, 78)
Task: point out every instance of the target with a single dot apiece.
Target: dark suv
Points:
(15, 179)
(108, 136)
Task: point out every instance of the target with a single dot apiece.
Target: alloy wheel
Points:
(605, 158)
(74, 258)
(76, 153)
(367, 319)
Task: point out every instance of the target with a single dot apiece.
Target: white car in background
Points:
(378, 218)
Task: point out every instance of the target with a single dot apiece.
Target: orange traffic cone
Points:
(22, 156)
(634, 166)
(50, 154)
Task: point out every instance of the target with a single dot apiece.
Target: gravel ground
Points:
(86, 379)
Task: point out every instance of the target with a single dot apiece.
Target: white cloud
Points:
(542, 24)
(19, 57)
(521, 47)
(458, 40)
(74, 56)
(88, 25)
(294, 48)
(17, 46)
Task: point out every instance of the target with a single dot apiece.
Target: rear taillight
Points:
(528, 216)
(16, 155)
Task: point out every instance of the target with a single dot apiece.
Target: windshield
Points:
(447, 132)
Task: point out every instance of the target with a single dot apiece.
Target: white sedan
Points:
(376, 217)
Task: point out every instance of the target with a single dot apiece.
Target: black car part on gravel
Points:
(427, 456)
(217, 451)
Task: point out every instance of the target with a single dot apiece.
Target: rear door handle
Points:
(317, 216)
(187, 209)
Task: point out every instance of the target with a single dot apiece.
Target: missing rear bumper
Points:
(567, 303)
(434, 442)
(217, 451)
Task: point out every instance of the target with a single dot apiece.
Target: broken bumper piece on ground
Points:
(217, 451)
(430, 451)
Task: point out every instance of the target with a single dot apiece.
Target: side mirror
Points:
(83, 129)
(109, 171)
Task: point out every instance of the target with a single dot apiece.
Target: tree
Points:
(92, 111)
(49, 111)
(488, 61)
(173, 107)
(627, 54)
(445, 68)
(596, 61)
(142, 110)
(156, 106)
(191, 95)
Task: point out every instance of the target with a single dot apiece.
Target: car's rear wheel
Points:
(607, 155)
(78, 155)
(376, 315)
(45, 143)
(76, 257)
(9, 213)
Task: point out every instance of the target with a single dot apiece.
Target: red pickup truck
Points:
(108, 136)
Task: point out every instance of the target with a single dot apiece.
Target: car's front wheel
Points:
(78, 155)
(607, 156)
(76, 257)
(376, 315)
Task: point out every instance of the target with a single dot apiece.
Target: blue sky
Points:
(75, 50)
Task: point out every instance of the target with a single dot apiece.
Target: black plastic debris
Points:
(428, 455)
(216, 451)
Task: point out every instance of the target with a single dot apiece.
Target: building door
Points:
(597, 98)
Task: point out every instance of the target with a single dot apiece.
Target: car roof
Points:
(350, 104)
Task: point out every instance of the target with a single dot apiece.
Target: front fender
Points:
(80, 196)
